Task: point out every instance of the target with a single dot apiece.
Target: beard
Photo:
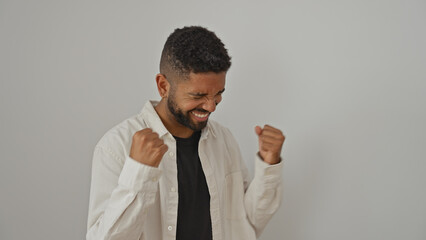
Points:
(183, 117)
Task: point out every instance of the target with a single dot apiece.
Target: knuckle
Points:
(136, 135)
(146, 130)
(150, 144)
(142, 138)
(269, 127)
(141, 133)
(155, 135)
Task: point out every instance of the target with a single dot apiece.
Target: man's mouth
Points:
(201, 116)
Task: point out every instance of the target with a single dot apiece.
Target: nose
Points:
(210, 105)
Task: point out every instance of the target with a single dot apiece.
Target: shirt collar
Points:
(151, 120)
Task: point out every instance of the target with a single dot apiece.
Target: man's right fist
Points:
(147, 147)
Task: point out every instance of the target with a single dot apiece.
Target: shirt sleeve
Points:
(264, 194)
(120, 195)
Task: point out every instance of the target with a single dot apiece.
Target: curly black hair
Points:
(193, 49)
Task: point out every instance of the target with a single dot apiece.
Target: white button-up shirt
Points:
(130, 200)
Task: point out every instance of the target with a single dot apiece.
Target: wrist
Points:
(271, 160)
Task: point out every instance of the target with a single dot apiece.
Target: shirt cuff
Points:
(266, 171)
(138, 176)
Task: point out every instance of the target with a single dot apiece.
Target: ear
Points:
(163, 85)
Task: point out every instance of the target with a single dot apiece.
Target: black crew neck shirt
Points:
(193, 221)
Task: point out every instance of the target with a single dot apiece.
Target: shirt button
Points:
(173, 189)
(171, 154)
(154, 179)
(169, 228)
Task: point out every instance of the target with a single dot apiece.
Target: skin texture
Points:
(271, 141)
(147, 147)
(182, 100)
(199, 94)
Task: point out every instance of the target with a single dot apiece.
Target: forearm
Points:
(120, 212)
(124, 216)
(264, 194)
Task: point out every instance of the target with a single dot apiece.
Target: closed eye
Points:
(201, 95)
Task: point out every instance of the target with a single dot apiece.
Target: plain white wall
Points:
(345, 81)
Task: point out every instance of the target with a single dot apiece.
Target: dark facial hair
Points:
(184, 118)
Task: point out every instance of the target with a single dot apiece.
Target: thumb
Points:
(258, 130)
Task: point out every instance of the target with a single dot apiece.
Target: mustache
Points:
(200, 110)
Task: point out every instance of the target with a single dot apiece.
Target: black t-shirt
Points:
(193, 222)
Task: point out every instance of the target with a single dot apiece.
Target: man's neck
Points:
(175, 128)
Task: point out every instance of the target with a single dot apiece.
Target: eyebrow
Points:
(205, 94)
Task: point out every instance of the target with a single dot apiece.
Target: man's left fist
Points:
(271, 141)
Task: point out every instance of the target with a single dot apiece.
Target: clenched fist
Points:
(271, 141)
(147, 147)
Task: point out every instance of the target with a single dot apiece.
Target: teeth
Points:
(200, 115)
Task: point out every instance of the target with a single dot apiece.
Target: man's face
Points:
(190, 102)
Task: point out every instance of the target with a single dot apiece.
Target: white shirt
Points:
(130, 200)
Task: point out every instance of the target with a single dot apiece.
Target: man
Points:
(169, 172)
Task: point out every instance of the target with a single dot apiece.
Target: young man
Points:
(169, 172)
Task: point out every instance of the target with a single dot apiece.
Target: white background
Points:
(344, 80)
